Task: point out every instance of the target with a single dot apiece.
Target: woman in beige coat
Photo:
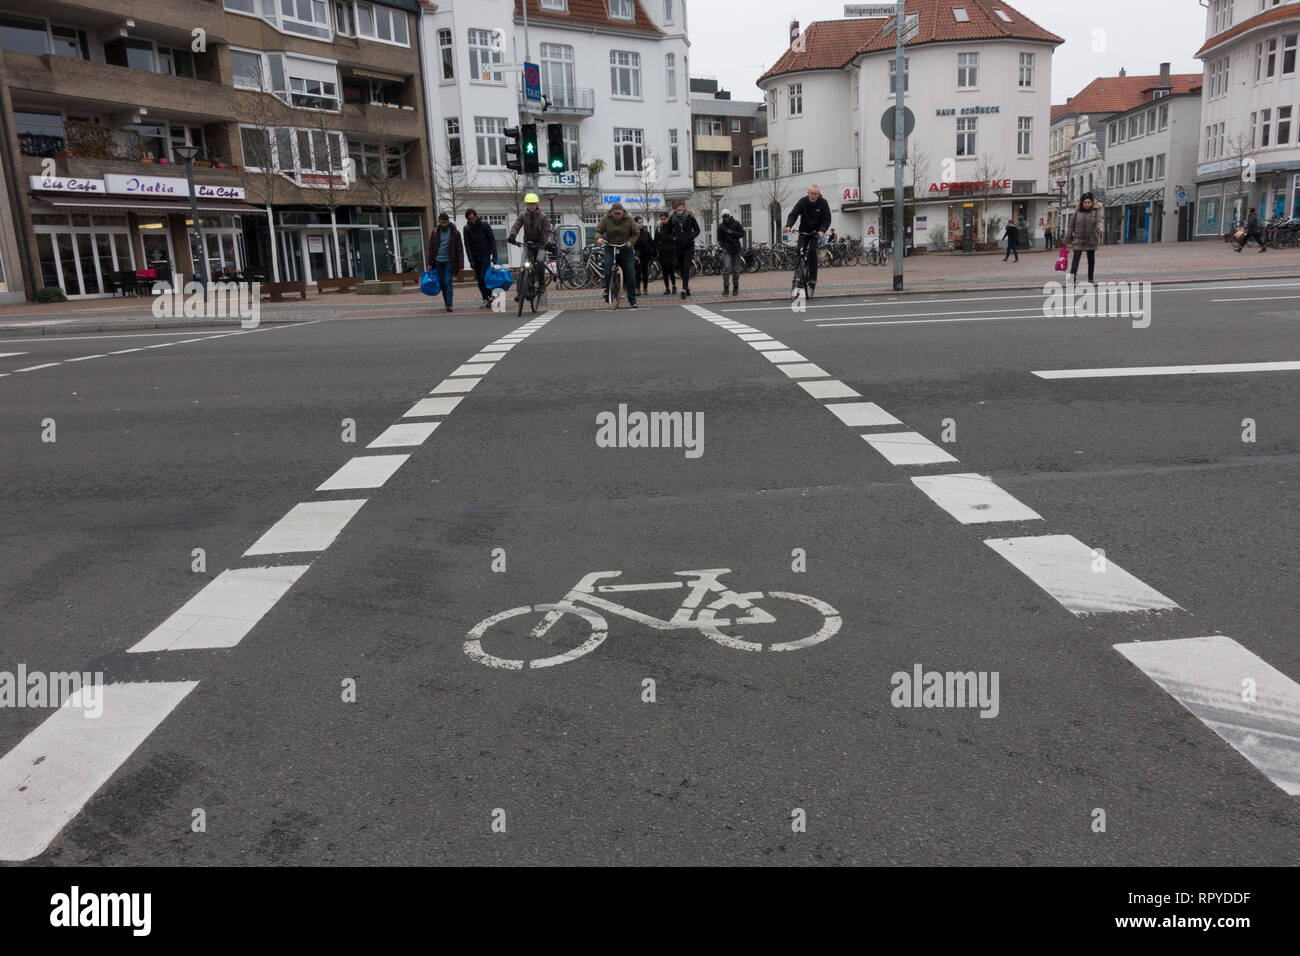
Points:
(1081, 236)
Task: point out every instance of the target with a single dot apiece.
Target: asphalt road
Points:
(207, 442)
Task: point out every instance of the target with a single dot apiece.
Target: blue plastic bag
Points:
(498, 277)
(429, 283)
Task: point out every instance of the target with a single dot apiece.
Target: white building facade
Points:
(978, 81)
(1250, 114)
(616, 77)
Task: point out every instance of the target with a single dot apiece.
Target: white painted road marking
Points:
(11, 354)
(34, 368)
(755, 337)
(804, 371)
(223, 613)
(83, 358)
(56, 769)
(1171, 370)
(908, 448)
(1207, 674)
(831, 389)
(365, 471)
(308, 526)
(473, 369)
(974, 499)
(455, 385)
(1063, 566)
(862, 414)
(767, 346)
(784, 355)
(433, 406)
(409, 433)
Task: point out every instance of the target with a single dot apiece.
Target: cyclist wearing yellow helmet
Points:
(538, 232)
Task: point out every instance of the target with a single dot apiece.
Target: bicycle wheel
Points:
(525, 288)
(789, 634)
(615, 286)
(521, 635)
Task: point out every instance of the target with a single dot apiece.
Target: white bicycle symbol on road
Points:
(583, 602)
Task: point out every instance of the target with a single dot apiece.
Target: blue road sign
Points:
(532, 83)
(569, 237)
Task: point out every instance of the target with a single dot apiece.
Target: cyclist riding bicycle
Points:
(813, 213)
(618, 234)
(538, 231)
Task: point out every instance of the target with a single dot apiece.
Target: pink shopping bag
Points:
(1063, 260)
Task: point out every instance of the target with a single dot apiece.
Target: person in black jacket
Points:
(481, 250)
(644, 253)
(664, 245)
(684, 229)
(730, 235)
(814, 215)
(1012, 235)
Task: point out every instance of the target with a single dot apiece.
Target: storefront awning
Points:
(93, 204)
(1136, 196)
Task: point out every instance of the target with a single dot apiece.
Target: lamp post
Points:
(1060, 205)
(188, 153)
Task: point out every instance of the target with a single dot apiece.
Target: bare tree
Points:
(1241, 147)
(258, 116)
(988, 169)
(774, 191)
(451, 180)
(385, 172)
(330, 186)
(916, 175)
(647, 187)
(586, 197)
(714, 185)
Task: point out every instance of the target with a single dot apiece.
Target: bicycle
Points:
(583, 603)
(800, 282)
(531, 286)
(614, 285)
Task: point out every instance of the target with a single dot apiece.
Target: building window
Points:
(482, 55)
(1270, 60)
(490, 140)
(670, 71)
(1026, 78)
(1110, 176)
(446, 54)
(625, 73)
(1222, 11)
(735, 162)
(751, 124)
(893, 75)
(1164, 117)
(1265, 127)
(708, 126)
(629, 150)
(1149, 169)
(735, 126)
(454, 155)
(377, 161)
(968, 71)
(622, 9)
(557, 74)
(1259, 61)
(796, 99)
(746, 216)
(1288, 54)
(796, 162)
(559, 6)
(571, 151)
(668, 11)
(1024, 132)
(772, 100)
(372, 22)
(1134, 171)
(307, 17)
(247, 70)
(965, 136)
(1160, 166)
(760, 164)
(1283, 125)
(672, 150)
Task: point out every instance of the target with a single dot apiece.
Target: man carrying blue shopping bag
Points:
(446, 255)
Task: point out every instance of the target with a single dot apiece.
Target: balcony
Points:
(565, 100)
(712, 179)
(713, 144)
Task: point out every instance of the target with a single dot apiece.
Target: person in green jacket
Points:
(618, 233)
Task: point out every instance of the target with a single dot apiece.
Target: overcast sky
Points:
(736, 40)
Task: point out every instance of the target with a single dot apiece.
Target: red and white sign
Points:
(851, 194)
(970, 187)
(315, 244)
(871, 230)
(322, 181)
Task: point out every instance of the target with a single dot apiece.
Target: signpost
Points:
(899, 112)
(867, 11)
(887, 122)
(532, 83)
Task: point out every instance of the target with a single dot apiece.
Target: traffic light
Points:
(513, 155)
(528, 140)
(555, 147)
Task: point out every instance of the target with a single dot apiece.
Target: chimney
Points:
(1164, 76)
(794, 30)
(1122, 73)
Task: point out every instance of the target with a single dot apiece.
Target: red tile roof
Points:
(588, 13)
(1063, 109)
(1272, 15)
(832, 44)
(1115, 94)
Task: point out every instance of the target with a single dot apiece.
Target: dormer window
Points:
(622, 9)
(959, 14)
(1002, 15)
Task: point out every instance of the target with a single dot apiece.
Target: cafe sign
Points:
(163, 186)
(67, 184)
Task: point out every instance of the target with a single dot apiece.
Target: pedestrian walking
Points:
(447, 253)
(1253, 232)
(684, 229)
(664, 247)
(644, 253)
(1012, 236)
(1081, 237)
(1047, 238)
(481, 250)
(730, 235)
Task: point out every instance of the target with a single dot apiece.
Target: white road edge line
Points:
(1170, 370)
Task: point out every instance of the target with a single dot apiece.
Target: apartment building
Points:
(979, 152)
(613, 76)
(1250, 143)
(1065, 126)
(725, 132)
(307, 118)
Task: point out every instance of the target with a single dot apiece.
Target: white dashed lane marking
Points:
(366, 471)
(472, 369)
(398, 436)
(37, 368)
(908, 448)
(861, 414)
(782, 356)
(1083, 580)
(223, 613)
(426, 407)
(455, 385)
(308, 526)
(54, 770)
(1207, 675)
(831, 389)
(1171, 370)
(806, 370)
(974, 499)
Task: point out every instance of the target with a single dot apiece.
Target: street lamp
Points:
(1060, 204)
(188, 154)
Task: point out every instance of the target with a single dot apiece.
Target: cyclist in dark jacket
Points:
(813, 213)
(683, 229)
(664, 245)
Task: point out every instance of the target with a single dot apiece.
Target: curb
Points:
(129, 326)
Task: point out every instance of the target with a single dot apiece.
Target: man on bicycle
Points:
(618, 234)
(814, 215)
(537, 230)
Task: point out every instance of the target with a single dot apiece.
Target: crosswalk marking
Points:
(1082, 579)
(908, 448)
(473, 369)
(804, 370)
(223, 613)
(455, 385)
(405, 434)
(1210, 677)
(862, 414)
(831, 389)
(768, 346)
(364, 471)
(784, 355)
(974, 499)
(56, 769)
(433, 406)
(308, 526)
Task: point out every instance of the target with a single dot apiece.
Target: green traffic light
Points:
(557, 163)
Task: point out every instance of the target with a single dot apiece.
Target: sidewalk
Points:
(923, 274)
